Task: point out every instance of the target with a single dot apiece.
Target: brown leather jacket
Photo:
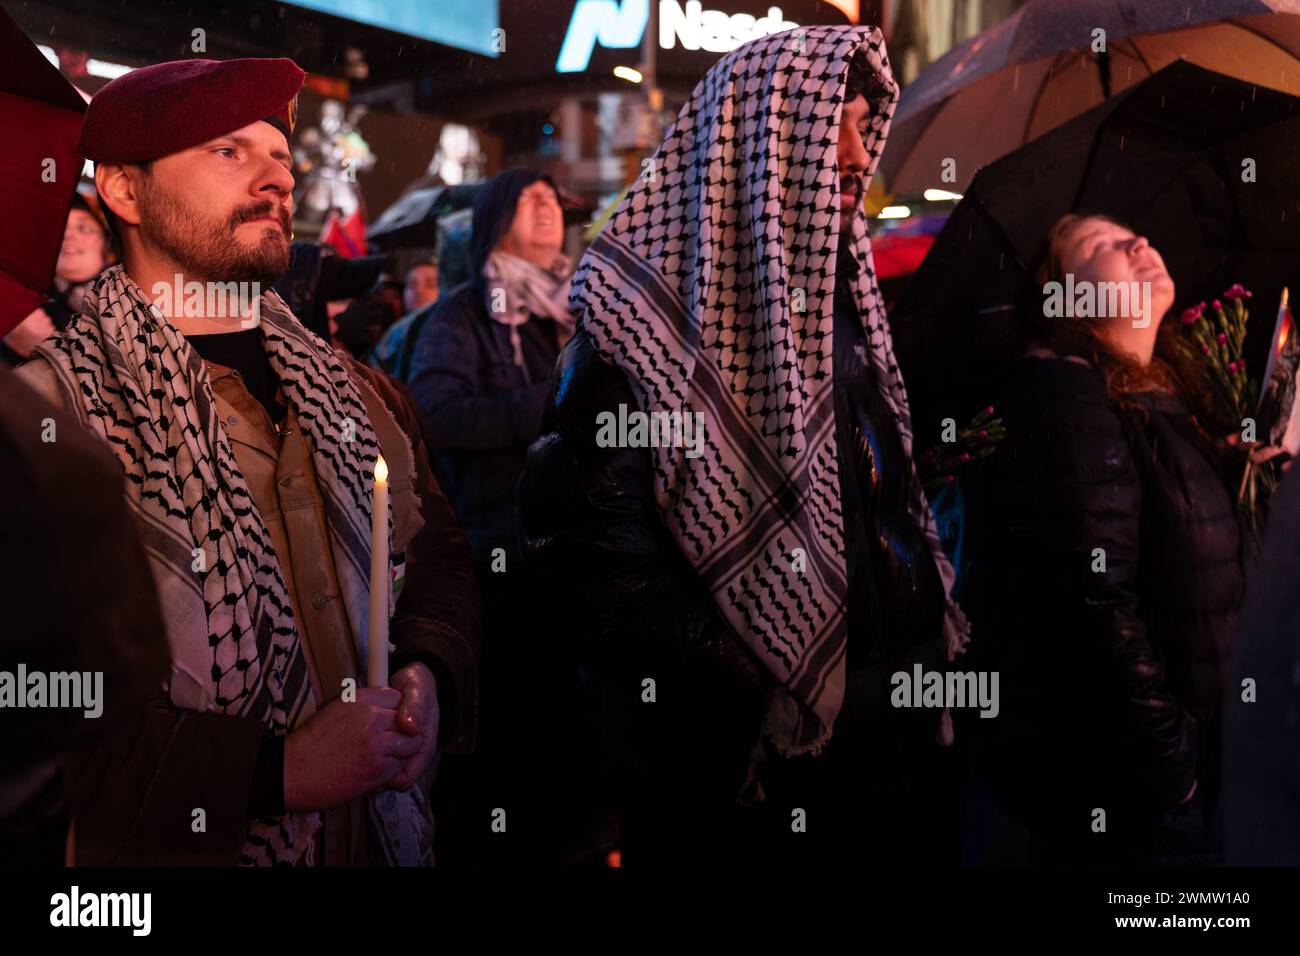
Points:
(175, 760)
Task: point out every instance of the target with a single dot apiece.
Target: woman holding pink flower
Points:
(1107, 574)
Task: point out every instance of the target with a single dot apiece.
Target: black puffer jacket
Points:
(589, 521)
(1105, 582)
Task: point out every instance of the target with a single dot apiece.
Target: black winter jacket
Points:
(482, 410)
(1105, 582)
(589, 522)
(1263, 767)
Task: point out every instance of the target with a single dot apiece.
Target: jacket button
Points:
(231, 420)
(319, 599)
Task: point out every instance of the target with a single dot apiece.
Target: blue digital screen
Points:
(466, 24)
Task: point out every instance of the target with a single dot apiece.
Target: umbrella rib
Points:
(1038, 95)
(1237, 222)
(1137, 50)
(1093, 147)
(996, 227)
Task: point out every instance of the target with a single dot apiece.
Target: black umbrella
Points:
(1038, 68)
(412, 221)
(1167, 156)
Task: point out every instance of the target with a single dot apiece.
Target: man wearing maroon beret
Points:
(249, 449)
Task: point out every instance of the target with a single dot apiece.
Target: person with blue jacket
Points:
(483, 361)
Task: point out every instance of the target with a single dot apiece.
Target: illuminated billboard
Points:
(465, 24)
(621, 24)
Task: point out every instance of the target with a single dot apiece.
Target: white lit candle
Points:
(377, 662)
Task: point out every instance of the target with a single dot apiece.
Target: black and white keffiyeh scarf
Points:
(694, 289)
(234, 641)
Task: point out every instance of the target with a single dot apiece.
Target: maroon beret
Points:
(162, 109)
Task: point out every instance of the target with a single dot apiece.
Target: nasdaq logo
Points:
(621, 26)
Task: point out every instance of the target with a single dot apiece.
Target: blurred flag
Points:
(346, 235)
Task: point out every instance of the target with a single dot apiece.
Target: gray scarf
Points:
(518, 289)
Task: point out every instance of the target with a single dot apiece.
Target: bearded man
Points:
(740, 604)
(248, 448)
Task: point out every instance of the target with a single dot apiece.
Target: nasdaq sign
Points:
(621, 26)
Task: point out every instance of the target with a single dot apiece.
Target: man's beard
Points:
(845, 250)
(207, 249)
(853, 185)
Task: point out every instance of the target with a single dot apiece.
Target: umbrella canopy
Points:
(413, 220)
(1169, 157)
(1038, 68)
(41, 114)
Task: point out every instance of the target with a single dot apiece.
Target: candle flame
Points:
(1285, 333)
(381, 469)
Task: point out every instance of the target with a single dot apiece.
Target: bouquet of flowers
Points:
(976, 441)
(1218, 336)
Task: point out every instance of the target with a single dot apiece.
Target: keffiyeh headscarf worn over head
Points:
(694, 290)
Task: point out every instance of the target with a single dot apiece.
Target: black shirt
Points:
(244, 352)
